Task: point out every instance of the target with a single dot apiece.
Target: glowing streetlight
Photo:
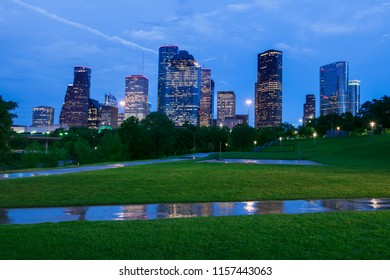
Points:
(255, 143)
(315, 136)
(122, 104)
(372, 124)
(248, 102)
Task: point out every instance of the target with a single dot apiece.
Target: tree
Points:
(110, 147)
(242, 137)
(377, 111)
(160, 132)
(132, 135)
(5, 122)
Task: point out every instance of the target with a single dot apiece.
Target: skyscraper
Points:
(136, 97)
(76, 103)
(180, 99)
(166, 53)
(43, 116)
(354, 96)
(206, 98)
(309, 108)
(108, 117)
(268, 97)
(334, 88)
(226, 108)
(93, 114)
(110, 100)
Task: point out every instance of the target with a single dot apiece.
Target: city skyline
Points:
(42, 40)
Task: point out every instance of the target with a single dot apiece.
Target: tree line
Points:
(156, 137)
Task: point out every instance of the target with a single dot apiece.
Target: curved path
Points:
(69, 170)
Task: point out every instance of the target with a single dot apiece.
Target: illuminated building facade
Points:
(226, 108)
(354, 96)
(206, 98)
(108, 117)
(309, 108)
(136, 97)
(180, 99)
(76, 103)
(268, 97)
(43, 116)
(334, 88)
(93, 114)
(166, 53)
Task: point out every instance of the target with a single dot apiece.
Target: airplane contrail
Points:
(114, 39)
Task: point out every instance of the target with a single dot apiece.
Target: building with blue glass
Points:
(334, 88)
(166, 53)
(354, 96)
(179, 87)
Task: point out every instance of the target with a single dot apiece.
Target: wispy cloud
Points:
(332, 28)
(262, 4)
(114, 39)
(155, 34)
(293, 49)
(209, 59)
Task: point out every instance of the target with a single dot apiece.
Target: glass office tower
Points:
(136, 97)
(180, 98)
(76, 103)
(226, 107)
(166, 53)
(309, 108)
(206, 98)
(43, 116)
(354, 96)
(334, 88)
(268, 97)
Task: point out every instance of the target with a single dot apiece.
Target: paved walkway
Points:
(69, 170)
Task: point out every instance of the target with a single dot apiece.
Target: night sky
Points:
(42, 40)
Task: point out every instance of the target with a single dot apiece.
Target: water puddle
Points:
(184, 210)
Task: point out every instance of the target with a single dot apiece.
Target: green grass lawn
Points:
(355, 167)
(307, 236)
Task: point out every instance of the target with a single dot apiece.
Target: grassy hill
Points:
(355, 167)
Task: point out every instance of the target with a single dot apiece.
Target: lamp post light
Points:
(255, 143)
(122, 105)
(315, 136)
(280, 141)
(248, 102)
(372, 124)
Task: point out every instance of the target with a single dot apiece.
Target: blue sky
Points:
(42, 40)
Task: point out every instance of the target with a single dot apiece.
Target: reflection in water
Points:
(4, 219)
(77, 211)
(184, 210)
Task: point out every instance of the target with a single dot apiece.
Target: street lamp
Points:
(248, 103)
(280, 141)
(122, 104)
(372, 124)
(255, 143)
(315, 136)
